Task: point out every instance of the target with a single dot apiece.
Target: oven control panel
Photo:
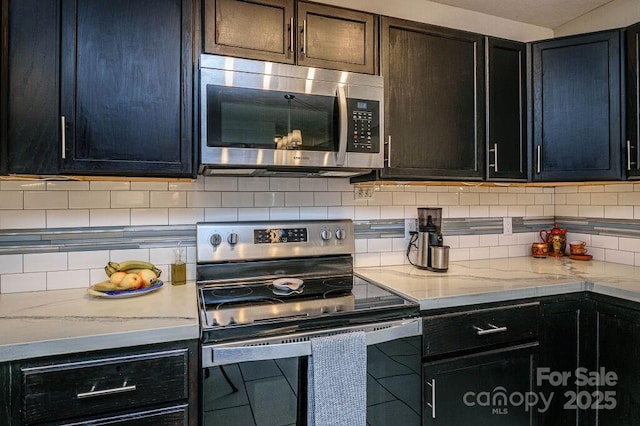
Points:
(271, 236)
(241, 241)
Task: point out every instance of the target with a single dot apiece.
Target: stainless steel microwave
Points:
(264, 118)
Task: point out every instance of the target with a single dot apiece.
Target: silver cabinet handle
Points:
(291, 31)
(629, 162)
(539, 154)
(63, 138)
(304, 36)
(344, 126)
(495, 157)
(389, 151)
(493, 329)
(93, 393)
(432, 404)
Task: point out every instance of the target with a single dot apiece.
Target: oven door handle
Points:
(274, 348)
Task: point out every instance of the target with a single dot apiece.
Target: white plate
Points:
(124, 293)
(288, 284)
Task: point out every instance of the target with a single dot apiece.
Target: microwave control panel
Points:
(364, 126)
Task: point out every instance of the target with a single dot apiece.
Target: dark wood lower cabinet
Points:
(487, 388)
(618, 326)
(145, 385)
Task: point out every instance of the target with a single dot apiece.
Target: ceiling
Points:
(543, 13)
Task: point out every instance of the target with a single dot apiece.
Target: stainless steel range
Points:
(264, 290)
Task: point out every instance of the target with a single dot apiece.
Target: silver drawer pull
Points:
(93, 392)
(493, 329)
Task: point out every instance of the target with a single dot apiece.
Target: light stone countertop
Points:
(495, 280)
(58, 322)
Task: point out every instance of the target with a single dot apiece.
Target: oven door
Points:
(264, 381)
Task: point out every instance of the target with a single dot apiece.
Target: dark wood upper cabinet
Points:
(434, 101)
(270, 30)
(506, 110)
(100, 88)
(632, 155)
(577, 108)
(336, 38)
(31, 137)
(127, 87)
(252, 29)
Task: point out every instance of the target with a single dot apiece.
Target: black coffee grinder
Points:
(432, 254)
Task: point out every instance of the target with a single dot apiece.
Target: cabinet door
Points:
(335, 38)
(619, 350)
(632, 157)
(434, 101)
(32, 137)
(478, 389)
(506, 110)
(576, 108)
(127, 87)
(566, 343)
(254, 29)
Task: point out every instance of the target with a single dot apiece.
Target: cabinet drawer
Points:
(462, 331)
(69, 390)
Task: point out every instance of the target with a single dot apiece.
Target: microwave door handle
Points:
(344, 126)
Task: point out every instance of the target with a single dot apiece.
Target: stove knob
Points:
(215, 240)
(232, 238)
(341, 234)
(325, 234)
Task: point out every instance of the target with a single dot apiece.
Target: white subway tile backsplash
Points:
(618, 212)
(507, 240)
(43, 262)
(591, 188)
(404, 199)
(392, 212)
(253, 184)
(298, 199)
(187, 216)
(498, 211)
(478, 211)
(380, 198)
(23, 185)
(220, 215)
(581, 199)
(535, 211)
(361, 245)
(448, 199)
(459, 211)
(196, 185)
(129, 254)
(622, 187)
(566, 210)
(269, 199)
(150, 186)
(311, 213)
(46, 200)
(469, 199)
(508, 199)
(10, 263)
(69, 279)
(284, 213)
(591, 211)
(367, 212)
(19, 283)
(428, 199)
(164, 255)
(399, 244)
(566, 189)
(88, 259)
(489, 199)
(169, 199)
(517, 211)
(220, 183)
(345, 212)
(61, 185)
(469, 240)
(237, 199)
(629, 199)
(497, 252)
(362, 260)
(109, 217)
(348, 199)
(314, 184)
(339, 185)
(489, 240)
(379, 245)
(130, 199)
(89, 199)
(284, 184)
(149, 217)
(23, 219)
(458, 254)
(109, 185)
(604, 241)
(11, 200)
(202, 199)
(452, 241)
(629, 244)
(253, 213)
(392, 258)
